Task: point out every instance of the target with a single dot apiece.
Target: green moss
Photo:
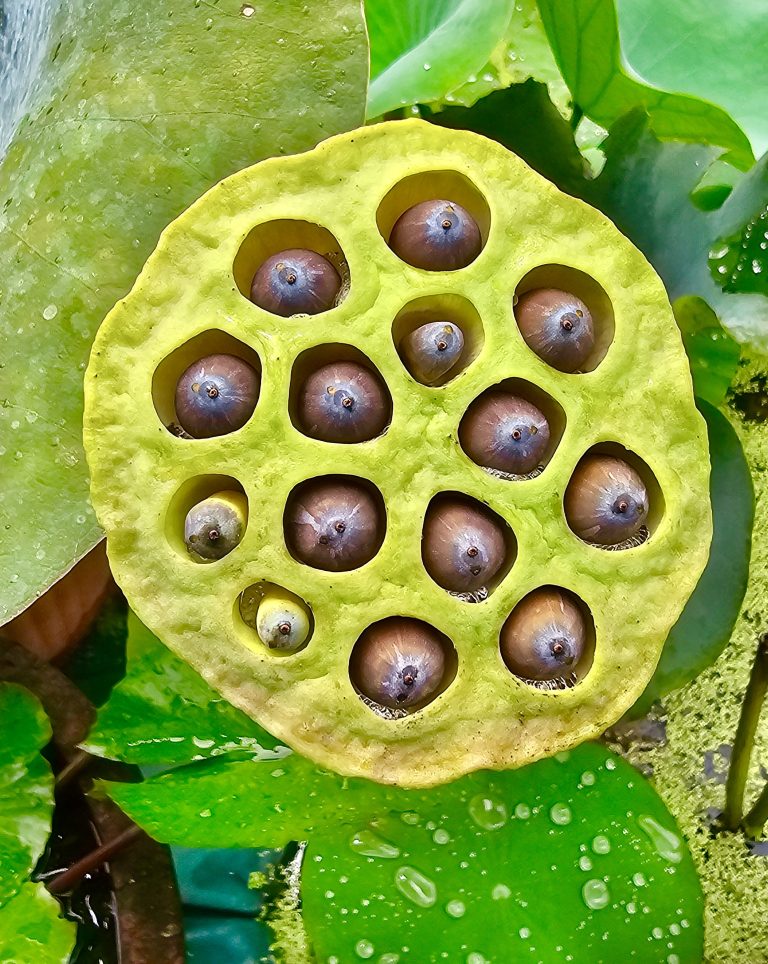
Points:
(342, 199)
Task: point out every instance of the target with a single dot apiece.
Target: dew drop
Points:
(441, 836)
(475, 958)
(389, 959)
(595, 894)
(247, 10)
(364, 949)
(501, 892)
(657, 933)
(50, 312)
(631, 907)
(585, 863)
(601, 844)
(638, 880)
(522, 811)
(588, 778)
(370, 844)
(205, 813)
(525, 933)
(561, 814)
(427, 66)
(488, 813)
(410, 817)
(610, 764)
(668, 845)
(455, 908)
(673, 959)
(419, 889)
(674, 930)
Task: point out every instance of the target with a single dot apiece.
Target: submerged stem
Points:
(755, 819)
(745, 737)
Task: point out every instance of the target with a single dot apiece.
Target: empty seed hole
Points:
(312, 277)
(512, 429)
(437, 337)
(465, 546)
(334, 522)
(400, 665)
(435, 220)
(548, 640)
(338, 395)
(613, 500)
(208, 386)
(565, 317)
(207, 518)
(274, 619)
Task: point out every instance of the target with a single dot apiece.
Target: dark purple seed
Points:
(557, 326)
(297, 281)
(216, 395)
(463, 545)
(544, 637)
(504, 432)
(437, 236)
(432, 350)
(606, 502)
(343, 402)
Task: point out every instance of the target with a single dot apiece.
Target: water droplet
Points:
(595, 894)
(364, 949)
(719, 253)
(524, 933)
(370, 844)
(455, 908)
(247, 10)
(658, 933)
(674, 930)
(410, 817)
(205, 813)
(40, 554)
(631, 907)
(427, 66)
(389, 959)
(601, 844)
(638, 880)
(475, 958)
(501, 892)
(522, 811)
(50, 312)
(588, 778)
(563, 756)
(561, 814)
(673, 959)
(757, 268)
(668, 845)
(441, 836)
(585, 863)
(416, 887)
(488, 813)
(610, 764)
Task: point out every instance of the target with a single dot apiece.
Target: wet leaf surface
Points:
(140, 107)
(32, 930)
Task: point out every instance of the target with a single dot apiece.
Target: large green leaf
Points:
(585, 40)
(26, 788)
(141, 108)
(712, 50)
(645, 188)
(31, 930)
(163, 712)
(559, 853)
(422, 51)
(706, 624)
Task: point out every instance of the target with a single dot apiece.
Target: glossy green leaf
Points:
(706, 623)
(26, 788)
(140, 108)
(645, 189)
(31, 931)
(713, 354)
(422, 51)
(585, 40)
(583, 832)
(714, 51)
(162, 712)
(521, 53)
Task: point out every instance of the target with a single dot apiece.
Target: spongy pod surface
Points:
(631, 399)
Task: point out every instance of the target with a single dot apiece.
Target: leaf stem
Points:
(745, 737)
(101, 855)
(755, 819)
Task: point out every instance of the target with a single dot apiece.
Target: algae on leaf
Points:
(142, 107)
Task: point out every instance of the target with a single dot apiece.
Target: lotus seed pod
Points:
(343, 402)
(606, 501)
(432, 350)
(216, 395)
(504, 432)
(544, 638)
(437, 236)
(463, 545)
(399, 663)
(333, 525)
(282, 621)
(296, 282)
(382, 490)
(557, 326)
(215, 526)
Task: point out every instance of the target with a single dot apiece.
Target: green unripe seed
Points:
(282, 622)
